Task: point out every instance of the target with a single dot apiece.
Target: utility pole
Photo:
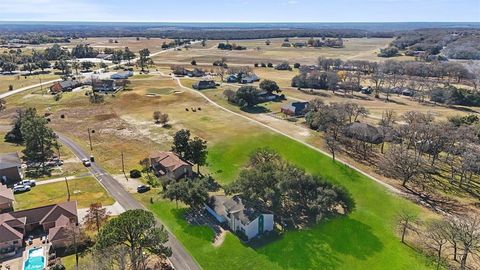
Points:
(123, 167)
(68, 189)
(90, 139)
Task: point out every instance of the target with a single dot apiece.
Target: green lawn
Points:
(363, 240)
(84, 190)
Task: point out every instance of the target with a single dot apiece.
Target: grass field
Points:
(258, 51)
(18, 81)
(364, 239)
(84, 190)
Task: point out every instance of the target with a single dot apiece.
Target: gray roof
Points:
(10, 160)
(364, 132)
(224, 206)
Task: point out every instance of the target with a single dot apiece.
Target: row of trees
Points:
(416, 143)
(454, 240)
(444, 71)
(297, 198)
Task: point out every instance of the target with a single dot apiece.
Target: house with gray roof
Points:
(6, 198)
(239, 216)
(10, 168)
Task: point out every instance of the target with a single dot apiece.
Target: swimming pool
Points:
(35, 260)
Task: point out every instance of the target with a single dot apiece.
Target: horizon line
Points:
(98, 21)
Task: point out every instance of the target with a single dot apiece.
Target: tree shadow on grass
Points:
(255, 109)
(202, 232)
(323, 246)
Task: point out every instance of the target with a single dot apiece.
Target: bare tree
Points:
(468, 237)
(378, 79)
(156, 116)
(406, 221)
(332, 145)
(3, 104)
(163, 119)
(400, 162)
(386, 126)
(436, 238)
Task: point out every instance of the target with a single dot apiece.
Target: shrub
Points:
(135, 174)
(296, 65)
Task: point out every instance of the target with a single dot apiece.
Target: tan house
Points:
(6, 199)
(170, 165)
(10, 168)
(52, 220)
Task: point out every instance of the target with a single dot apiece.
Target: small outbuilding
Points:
(294, 108)
(202, 85)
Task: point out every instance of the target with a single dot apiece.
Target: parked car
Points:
(143, 188)
(21, 188)
(28, 182)
(86, 162)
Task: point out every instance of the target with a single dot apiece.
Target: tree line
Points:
(422, 153)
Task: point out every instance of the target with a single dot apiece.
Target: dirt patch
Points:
(219, 238)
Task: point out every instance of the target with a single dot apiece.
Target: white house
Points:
(238, 216)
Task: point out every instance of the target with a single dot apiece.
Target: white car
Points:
(86, 162)
(28, 182)
(21, 188)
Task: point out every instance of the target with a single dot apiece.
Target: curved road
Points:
(180, 259)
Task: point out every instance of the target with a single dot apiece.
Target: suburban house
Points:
(201, 85)
(64, 86)
(122, 75)
(239, 217)
(243, 78)
(170, 165)
(294, 108)
(6, 198)
(195, 73)
(52, 220)
(10, 168)
(104, 86)
(364, 132)
(265, 96)
(249, 78)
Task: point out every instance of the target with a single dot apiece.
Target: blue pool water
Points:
(35, 261)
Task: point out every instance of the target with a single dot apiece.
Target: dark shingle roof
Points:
(10, 160)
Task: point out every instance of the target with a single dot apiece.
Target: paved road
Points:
(181, 259)
(19, 90)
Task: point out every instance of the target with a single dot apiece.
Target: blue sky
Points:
(242, 10)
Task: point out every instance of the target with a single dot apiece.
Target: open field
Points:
(84, 190)
(355, 49)
(18, 81)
